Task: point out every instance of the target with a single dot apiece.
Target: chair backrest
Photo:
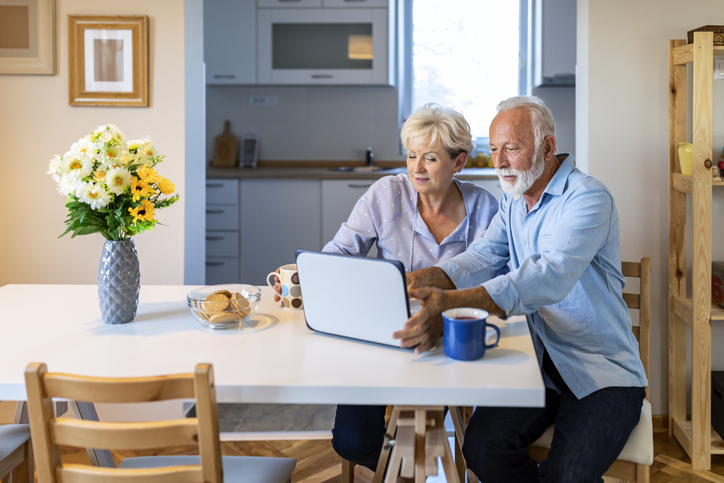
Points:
(642, 302)
(48, 432)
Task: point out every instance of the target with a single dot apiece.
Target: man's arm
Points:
(429, 277)
(423, 328)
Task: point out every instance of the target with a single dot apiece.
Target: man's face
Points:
(512, 145)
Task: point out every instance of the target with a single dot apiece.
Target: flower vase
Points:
(119, 281)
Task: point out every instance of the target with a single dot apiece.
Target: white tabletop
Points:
(277, 360)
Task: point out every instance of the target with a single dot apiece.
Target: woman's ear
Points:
(460, 162)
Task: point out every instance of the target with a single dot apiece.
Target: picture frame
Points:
(108, 61)
(27, 37)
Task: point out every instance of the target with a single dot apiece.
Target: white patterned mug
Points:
(288, 277)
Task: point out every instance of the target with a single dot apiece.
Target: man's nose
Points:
(499, 160)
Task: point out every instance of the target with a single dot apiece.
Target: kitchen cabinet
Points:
(338, 198)
(230, 41)
(695, 435)
(222, 231)
(552, 31)
(289, 3)
(278, 216)
(332, 46)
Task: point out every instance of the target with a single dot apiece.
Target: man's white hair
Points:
(540, 116)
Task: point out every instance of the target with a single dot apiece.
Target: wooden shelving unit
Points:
(696, 435)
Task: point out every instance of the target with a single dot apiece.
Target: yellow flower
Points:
(147, 174)
(139, 189)
(145, 212)
(165, 186)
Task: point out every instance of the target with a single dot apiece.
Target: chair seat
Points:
(249, 469)
(639, 448)
(12, 436)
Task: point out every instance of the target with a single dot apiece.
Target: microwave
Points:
(325, 46)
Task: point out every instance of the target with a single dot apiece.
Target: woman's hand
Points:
(424, 328)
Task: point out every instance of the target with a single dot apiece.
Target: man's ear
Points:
(549, 147)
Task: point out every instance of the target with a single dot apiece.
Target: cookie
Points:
(224, 318)
(239, 302)
(223, 292)
(216, 302)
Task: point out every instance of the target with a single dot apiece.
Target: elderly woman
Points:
(418, 218)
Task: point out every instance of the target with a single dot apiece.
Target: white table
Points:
(277, 360)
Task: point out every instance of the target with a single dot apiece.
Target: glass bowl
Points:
(223, 306)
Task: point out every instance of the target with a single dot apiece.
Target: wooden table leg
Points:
(420, 439)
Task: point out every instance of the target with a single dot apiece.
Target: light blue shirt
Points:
(565, 276)
(387, 214)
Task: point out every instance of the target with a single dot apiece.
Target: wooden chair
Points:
(48, 431)
(633, 464)
(16, 455)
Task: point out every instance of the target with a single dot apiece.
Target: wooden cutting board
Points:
(226, 148)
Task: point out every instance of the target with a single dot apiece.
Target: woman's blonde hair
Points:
(432, 123)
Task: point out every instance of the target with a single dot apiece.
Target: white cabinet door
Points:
(492, 185)
(230, 41)
(277, 218)
(338, 198)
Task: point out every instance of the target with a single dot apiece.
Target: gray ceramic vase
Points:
(119, 281)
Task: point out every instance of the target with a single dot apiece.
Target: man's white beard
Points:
(524, 179)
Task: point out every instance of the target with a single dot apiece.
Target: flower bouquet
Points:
(111, 185)
(112, 188)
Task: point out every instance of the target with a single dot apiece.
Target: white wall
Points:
(622, 136)
(36, 122)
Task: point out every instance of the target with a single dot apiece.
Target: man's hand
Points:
(428, 277)
(424, 328)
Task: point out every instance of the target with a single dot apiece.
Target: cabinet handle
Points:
(355, 0)
(214, 264)
(320, 76)
(214, 185)
(289, 0)
(224, 76)
(214, 238)
(353, 185)
(215, 212)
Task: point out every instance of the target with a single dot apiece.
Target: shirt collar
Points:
(557, 185)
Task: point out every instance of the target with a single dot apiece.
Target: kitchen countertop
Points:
(467, 174)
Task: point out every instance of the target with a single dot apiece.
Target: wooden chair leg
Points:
(385, 454)
(348, 471)
(23, 473)
(643, 474)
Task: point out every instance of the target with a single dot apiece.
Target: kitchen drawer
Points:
(222, 243)
(222, 191)
(289, 3)
(356, 3)
(222, 217)
(222, 270)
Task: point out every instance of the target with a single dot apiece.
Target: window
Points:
(464, 54)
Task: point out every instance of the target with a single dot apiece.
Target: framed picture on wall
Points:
(108, 61)
(27, 36)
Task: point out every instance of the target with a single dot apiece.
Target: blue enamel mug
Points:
(464, 333)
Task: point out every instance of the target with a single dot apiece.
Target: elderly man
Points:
(558, 229)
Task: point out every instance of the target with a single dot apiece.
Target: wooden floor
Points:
(318, 463)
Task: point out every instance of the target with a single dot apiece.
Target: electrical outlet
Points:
(719, 69)
(262, 100)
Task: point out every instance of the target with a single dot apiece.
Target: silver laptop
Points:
(355, 297)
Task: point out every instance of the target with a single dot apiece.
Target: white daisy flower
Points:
(84, 146)
(76, 165)
(92, 194)
(66, 185)
(54, 167)
(117, 179)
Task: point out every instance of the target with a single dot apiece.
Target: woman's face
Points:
(430, 167)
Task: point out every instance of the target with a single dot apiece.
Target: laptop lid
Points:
(355, 297)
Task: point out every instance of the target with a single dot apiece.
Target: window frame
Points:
(404, 66)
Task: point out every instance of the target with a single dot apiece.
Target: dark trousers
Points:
(358, 434)
(589, 435)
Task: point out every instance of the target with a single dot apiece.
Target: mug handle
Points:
(497, 331)
(273, 274)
